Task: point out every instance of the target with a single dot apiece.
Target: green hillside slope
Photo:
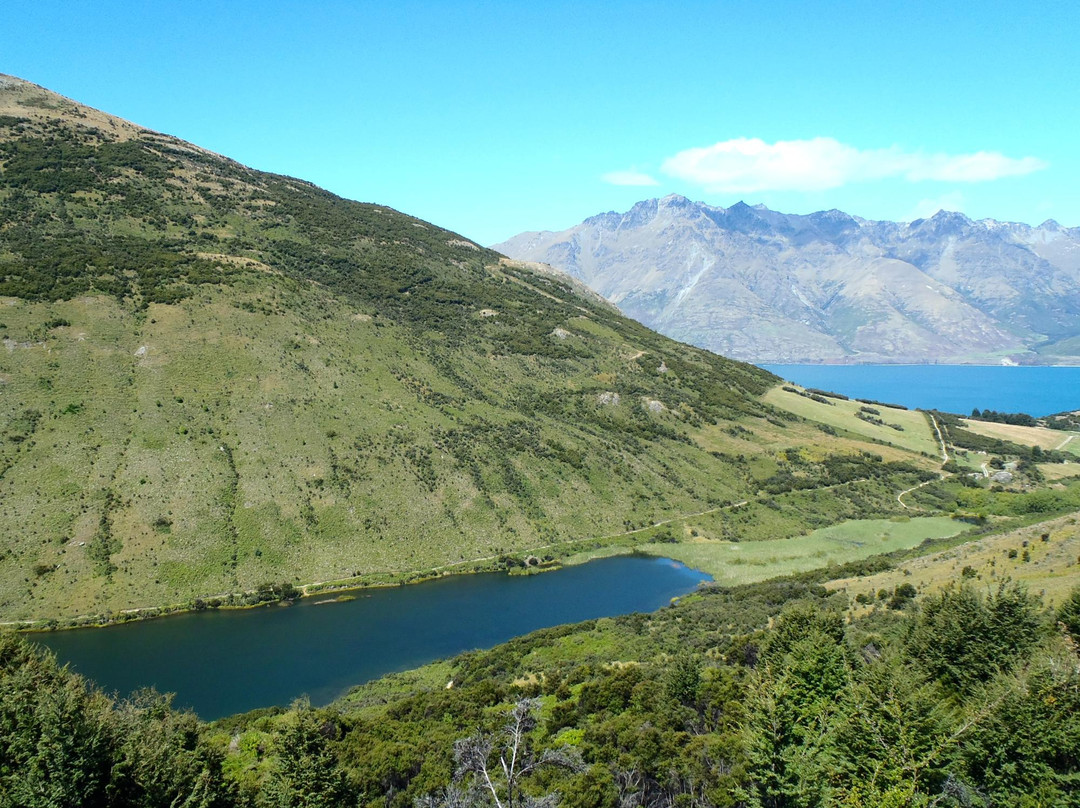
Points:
(213, 378)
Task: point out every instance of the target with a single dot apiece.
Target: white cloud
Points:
(751, 165)
(977, 167)
(628, 178)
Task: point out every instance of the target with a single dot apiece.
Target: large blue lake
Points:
(219, 663)
(949, 388)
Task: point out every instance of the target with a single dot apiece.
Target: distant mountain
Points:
(758, 285)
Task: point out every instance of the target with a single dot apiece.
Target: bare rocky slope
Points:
(763, 286)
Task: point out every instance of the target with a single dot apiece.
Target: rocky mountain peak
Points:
(944, 220)
(677, 201)
(741, 218)
(762, 285)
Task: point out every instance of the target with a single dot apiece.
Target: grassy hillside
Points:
(214, 378)
(1044, 556)
(1046, 439)
(908, 429)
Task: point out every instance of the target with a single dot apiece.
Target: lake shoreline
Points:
(220, 664)
(335, 588)
(561, 555)
(52, 625)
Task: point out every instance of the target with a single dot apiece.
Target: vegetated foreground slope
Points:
(765, 286)
(752, 695)
(212, 378)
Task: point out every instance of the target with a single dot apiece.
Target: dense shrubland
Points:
(757, 695)
(1014, 418)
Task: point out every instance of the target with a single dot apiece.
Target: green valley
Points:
(215, 378)
(737, 696)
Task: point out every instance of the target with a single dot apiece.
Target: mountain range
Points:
(758, 285)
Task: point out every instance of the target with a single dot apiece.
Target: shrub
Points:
(963, 639)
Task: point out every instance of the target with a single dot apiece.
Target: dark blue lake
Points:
(950, 388)
(219, 663)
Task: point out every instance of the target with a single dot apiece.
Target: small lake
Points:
(949, 388)
(219, 663)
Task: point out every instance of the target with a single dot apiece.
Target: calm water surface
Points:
(950, 388)
(220, 663)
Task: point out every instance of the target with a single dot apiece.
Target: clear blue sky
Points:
(492, 118)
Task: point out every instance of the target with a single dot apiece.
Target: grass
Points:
(1052, 566)
(916, 436)
(372, 697)
(1027, 435)
(803, 434)
(968, 459)
(1059, 471)
(750, 562)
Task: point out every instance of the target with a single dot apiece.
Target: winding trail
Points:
(941, 474)
(906, 491)
(1062, 444)
(941, 440)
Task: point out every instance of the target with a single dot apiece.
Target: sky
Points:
(492, 118)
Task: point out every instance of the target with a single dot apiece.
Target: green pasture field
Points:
(917, 434)
(733, 563)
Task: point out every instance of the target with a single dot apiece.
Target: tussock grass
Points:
(1052, 566)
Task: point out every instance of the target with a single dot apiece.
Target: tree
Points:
(1069, 615)
(491, 768)
(306, 774)
(892, 741)
(964, 639)
(790, 702)
(55, 739)
(683, 679)
(1026, 751)
(161, 758)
